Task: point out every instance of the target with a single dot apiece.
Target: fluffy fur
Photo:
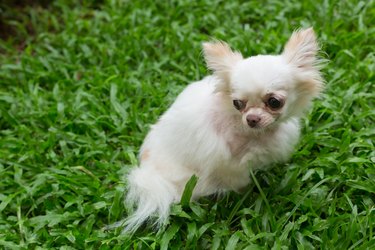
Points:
(245, 114)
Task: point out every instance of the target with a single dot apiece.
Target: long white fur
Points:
(202, 133)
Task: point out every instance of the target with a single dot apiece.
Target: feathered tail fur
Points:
(151, 194)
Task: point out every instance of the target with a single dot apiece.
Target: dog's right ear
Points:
(221, 60)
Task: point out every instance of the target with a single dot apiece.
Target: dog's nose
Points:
(252, 120)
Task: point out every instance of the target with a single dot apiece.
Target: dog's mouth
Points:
(256, 127)
(260, 125)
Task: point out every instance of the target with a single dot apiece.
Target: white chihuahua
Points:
(245, 114)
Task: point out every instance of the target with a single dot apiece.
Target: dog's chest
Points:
(239, 142)
(253, 148)
(238, 145)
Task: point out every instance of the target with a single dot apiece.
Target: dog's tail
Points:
(151, 194)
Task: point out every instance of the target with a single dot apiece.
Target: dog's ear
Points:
(302, 48)
(220, 59)
(301, 53)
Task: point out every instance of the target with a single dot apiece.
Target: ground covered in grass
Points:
(81, 82)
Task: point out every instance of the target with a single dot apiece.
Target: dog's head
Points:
(267, 89)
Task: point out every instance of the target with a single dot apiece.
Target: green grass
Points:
(80, 84)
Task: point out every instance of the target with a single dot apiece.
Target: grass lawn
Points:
(81, 82)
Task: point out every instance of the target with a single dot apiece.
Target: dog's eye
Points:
(239, 105)
(274, 103)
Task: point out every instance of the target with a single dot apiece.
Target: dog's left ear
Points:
(301, 53)
(301, 49)
(221, 60)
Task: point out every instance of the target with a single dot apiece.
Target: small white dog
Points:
(245, 114)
